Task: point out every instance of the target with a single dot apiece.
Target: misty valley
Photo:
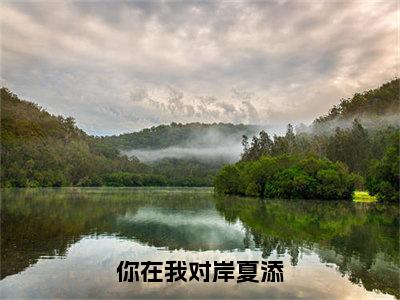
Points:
(191, 149)
(322, 198)
(353, 147)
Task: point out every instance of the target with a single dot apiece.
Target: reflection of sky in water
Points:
(68, 243)
(89, 270)
(194, 230)
(179, 218)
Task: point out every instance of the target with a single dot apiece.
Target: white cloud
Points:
(121, 66)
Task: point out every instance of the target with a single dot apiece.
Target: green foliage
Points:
(39, 149)
(187, 171)
(355, 146)
(287, 177)
(228, 180)
(383, 177)
(360, 196)
(360, 147)
(129, 179)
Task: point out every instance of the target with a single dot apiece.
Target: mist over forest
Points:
(229, 153)
(206, 142)
(375, 108)
(213, 144)
(151, 147)
(40, 149)
(210, 144)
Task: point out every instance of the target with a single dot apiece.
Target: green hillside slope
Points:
(39, 149)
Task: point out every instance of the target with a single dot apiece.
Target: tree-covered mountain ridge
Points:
(178, 134)
(373, 104)
(26, 119)
(40, 149)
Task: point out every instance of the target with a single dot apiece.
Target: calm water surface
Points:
(67, 243)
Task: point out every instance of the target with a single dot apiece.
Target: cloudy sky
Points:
(122, 66)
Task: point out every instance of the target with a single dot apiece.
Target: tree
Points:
(383, 176)
(228, 180)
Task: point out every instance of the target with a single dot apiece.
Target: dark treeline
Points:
(188, 171)
(164, 172)
(372, 153)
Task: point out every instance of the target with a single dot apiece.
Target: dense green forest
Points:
(372, 153)
(287, 177)
(39, 149)
(191, 170)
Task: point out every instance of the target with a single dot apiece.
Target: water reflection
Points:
(362, 240)
(88, 231)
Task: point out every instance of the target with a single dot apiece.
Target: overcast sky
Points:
(122, 66)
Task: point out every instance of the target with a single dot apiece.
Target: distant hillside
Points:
(40, 149)
(379, 102)
(26, 120)
(184, 135)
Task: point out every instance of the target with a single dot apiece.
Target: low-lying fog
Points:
(228, 153)
(210, 144)
(213, 144)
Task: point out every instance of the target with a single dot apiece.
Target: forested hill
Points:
(184, 135)
(40, 149)
(380, 102)
(25, 120)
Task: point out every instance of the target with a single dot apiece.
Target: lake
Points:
(68, 243)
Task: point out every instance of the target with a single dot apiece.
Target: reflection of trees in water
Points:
(360, 239)
(45, 222)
